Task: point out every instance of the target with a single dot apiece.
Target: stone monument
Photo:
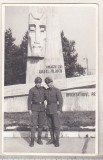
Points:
(45, 57)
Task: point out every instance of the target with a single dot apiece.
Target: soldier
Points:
(36, 109)
(53, 111)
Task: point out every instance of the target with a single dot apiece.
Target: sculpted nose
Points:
(37, 36)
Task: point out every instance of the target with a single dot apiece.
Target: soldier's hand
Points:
(30, 112)
(59, 112)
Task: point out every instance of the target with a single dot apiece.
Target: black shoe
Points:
(32, 142)
(57, 143)
(51, 141)
(39, 141)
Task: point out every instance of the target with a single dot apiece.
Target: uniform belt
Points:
(37, 102)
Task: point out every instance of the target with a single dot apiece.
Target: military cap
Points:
(38, 80)
(48, 80)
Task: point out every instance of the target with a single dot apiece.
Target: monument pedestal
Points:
(45, 57)
(34, 65)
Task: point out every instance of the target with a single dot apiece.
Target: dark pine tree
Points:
(23, 52)
(9, 61)
(15, 59)
(72, 68)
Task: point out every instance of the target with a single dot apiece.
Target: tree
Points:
(72, 68)
(23, 53)
(10, 50)
(15, 59)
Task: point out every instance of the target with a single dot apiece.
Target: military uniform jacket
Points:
(36, 99)
(54, 100)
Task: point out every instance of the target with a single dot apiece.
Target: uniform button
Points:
(40, 102)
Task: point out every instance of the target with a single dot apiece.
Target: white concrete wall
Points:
(80, 100)
(86, 101)
(15, 96)
(15, 104)
(66, 83)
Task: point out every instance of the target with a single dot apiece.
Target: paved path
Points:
(67, 145)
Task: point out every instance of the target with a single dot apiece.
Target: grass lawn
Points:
(70, 121)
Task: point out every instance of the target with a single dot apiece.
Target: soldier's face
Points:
(50, 85)
(38, 85)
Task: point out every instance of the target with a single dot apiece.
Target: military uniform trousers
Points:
(37, 118)
(53, 121)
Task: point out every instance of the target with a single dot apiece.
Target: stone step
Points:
(64, 134)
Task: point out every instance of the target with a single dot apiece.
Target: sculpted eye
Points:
(42, 28)
(32, 27)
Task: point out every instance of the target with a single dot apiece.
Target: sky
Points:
(79, 23)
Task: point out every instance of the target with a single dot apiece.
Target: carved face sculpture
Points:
(37, 35)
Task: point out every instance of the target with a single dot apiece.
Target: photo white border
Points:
(3, 31)
(72, 1)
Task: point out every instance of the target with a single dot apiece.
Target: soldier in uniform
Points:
(53, 111)
(36, 109)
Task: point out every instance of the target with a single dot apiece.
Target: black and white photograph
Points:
(50, 102)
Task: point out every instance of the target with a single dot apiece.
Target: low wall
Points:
(15, 96)
(80, 100)
(74, 100)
